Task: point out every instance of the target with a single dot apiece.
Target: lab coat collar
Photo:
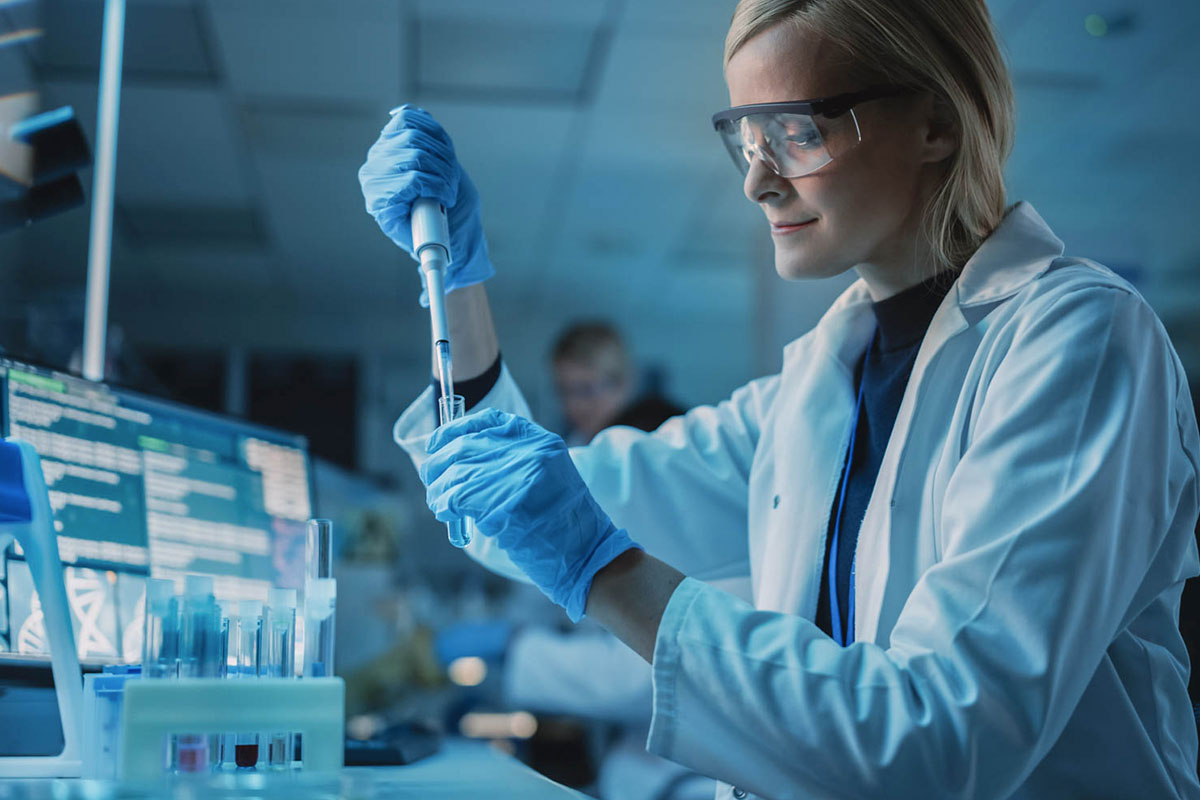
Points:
(1020, 249)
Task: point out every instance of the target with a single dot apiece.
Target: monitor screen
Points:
(144, 487)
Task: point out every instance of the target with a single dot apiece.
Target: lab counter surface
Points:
(460, 770)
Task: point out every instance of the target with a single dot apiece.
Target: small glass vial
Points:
(450, 408)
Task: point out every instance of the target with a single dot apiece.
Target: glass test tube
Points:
(318, 549)
(249, 666)
(199, 657)
(450, 408)
(160, 640)
(226, 748)
(280, 635)
(160, 643)
(320, 602)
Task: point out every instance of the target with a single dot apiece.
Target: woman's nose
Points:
(762, 184)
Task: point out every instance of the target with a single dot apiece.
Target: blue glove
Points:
(519, 484)
(414, 158)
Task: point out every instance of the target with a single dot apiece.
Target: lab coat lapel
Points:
(895, 543)
(812, 427)
(892, 515)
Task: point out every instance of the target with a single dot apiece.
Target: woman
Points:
(966, 503)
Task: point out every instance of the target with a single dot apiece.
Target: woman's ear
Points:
(940, 130)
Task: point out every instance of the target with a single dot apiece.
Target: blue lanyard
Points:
(845, 637)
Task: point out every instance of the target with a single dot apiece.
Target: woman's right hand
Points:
(414, 158)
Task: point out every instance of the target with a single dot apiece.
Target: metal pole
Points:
(95, 320)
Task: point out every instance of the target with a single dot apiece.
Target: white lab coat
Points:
(1019, 565)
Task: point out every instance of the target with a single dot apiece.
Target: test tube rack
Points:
(155, 709)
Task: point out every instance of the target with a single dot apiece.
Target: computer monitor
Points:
(145, 487)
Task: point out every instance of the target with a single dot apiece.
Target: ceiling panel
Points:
(176, 142)
(328, 245)
(1053, 38)
(347, 51)
(679, 17)
(163, 40)
(171, 227)
(635, 212)
(723, 228)
(308, 130)
(180, 276)
(657, 71)
(474, 59)
(575, 12)
(514, 156)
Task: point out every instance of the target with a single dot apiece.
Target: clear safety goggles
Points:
(798, 138)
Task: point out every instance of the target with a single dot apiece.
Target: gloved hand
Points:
(414, 158)
(519, 484)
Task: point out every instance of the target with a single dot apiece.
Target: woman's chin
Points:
(790, 267)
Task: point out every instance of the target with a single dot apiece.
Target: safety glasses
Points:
(798, 138)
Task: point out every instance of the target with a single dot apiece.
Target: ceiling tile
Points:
(473, 59)
(175, 142)
(349, 51)
(169, 227)
(311, 130)
(576, 12)
(163, 41)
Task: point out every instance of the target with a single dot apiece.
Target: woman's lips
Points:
(783, 228)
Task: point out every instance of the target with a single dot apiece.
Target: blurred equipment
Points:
(104, 179)
(142, 487)
(39, 156)
(402, 743)
(25, 517)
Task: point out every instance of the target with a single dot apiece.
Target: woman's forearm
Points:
(473, 341)
(629, 596)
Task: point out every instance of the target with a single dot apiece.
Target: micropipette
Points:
(431, 245)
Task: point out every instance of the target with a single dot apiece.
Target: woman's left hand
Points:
(517, 481)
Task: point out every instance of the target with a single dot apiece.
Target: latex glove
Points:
(414, 158)
(519, 484)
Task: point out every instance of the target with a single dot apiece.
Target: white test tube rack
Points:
(155, 709)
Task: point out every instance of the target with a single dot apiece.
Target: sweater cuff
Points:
(472, 390)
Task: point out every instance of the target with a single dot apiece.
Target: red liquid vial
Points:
(246, 755)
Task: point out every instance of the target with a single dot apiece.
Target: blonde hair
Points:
(945, 47)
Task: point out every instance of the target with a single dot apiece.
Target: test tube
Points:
(160, 641)
(225, 751)
(249, 666)
(320, 602)
(199, 657)
(319, 549)
(280, 637)
(452, 407)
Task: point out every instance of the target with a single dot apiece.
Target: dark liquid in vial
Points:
(246, 755)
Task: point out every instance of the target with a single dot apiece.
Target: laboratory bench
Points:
(461, 769)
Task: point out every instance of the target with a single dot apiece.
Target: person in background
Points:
(595, 381)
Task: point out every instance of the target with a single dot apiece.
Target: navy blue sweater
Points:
(902, 320)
